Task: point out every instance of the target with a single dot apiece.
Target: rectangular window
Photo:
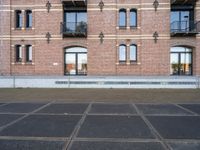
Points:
(18, 53)
(28, 53)
(182, 20)
(19, 19)
(29, 19)
(76, 21)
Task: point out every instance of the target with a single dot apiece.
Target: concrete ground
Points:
(99, 126)
(99, 119)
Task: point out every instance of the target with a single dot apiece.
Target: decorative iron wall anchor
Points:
(101, 5)
(48, 36)
(155, 4)
(155, 35)
(101, 36)
(48, 5)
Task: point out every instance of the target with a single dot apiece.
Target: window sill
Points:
(18, 63)
(133, 63)
(128, 63)
(122, 27)
(18, 28)
(29, 28)
(29, 63)
(133, 27)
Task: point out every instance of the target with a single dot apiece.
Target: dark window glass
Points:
(133, 53)
(18, 19)
(28, 18)
(181, 20)
(133, 18)
(122, 53)
(75, 21)
(122, 18)
(18, 53)
(29, 53)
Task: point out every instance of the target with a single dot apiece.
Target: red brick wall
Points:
(48, 59)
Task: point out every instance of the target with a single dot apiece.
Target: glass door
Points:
(82, 64)
(181, 61)
(70, 63)
(174, 70)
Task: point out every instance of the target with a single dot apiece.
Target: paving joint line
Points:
(116, 139)
(25, 116)
(77, 128)
(99, 114)
(4, 104)
(182, 140)
(152, 129)
(179, 106)
(25, 138)
(9, 113)
(171, 115)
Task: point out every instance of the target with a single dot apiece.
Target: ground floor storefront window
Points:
(181, 61)
(75, 61)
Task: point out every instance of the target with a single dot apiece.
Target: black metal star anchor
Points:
(48, 36)
(101, 5)
(48, 5)
(156, 4)
(101, 36)
(155, 35)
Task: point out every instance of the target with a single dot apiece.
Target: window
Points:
(122, 18)
(133, 18)
(181, 61)
(182, 20)
(75, 61)
(29, 19)
(122, 53)
(18, 53)
(76, 21)
(133, 53)
(28, 53)
(18, 19)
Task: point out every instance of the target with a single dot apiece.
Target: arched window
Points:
(18, 53)
(19, 19)
(122, 53)
(181, 61)
(133, 17)
(28, 18)
(28, 53)
(133, 53)
(122, 17)
(75, 61)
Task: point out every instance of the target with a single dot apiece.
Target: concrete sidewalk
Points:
(99, 126)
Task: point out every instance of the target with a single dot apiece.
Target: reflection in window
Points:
(19, 19)
(122, 53)
(28, 53)
(76, 21)
(133, 18)
(133, 53)
(181, 61)
(76, 61)
(18, 53)
(29, 19)
(122, 18)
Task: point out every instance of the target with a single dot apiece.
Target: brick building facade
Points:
(99, 37)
